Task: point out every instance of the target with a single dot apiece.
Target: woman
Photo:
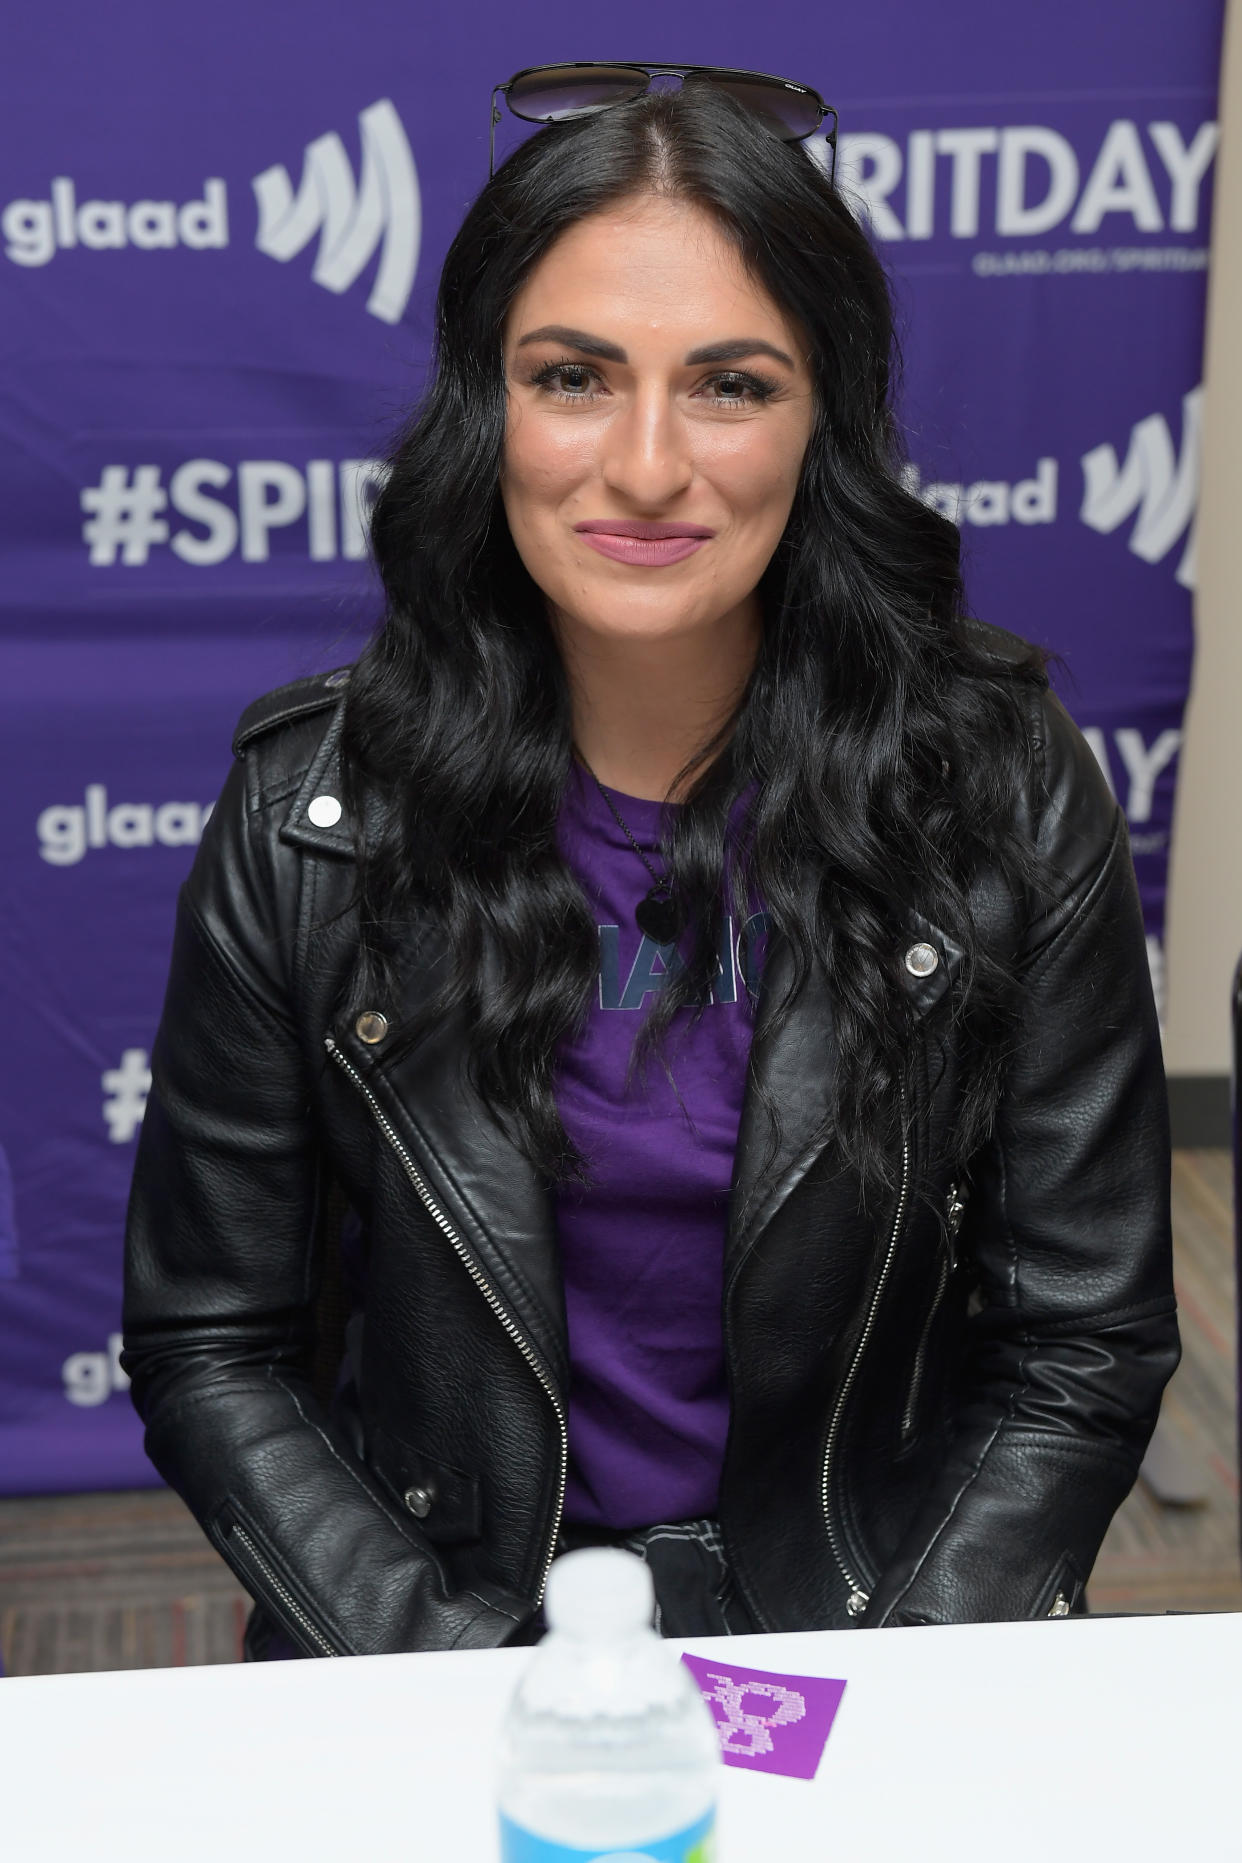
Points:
(839, 1285)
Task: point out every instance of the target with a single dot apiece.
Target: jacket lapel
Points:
(792, 1066)
(792, 1062)
(499, 1213)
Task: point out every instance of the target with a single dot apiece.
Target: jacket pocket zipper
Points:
(484, 1286)
(859, 1596)
(955, 1209)
(279, 1590)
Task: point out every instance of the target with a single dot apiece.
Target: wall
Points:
(1205, 902)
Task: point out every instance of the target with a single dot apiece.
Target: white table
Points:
(992, 1743)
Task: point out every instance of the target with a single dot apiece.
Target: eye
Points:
(738, 390)
(566, 381)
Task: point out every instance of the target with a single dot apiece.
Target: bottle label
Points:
(695, 1844)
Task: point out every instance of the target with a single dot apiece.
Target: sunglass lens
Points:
(558, 91)
(789, 110)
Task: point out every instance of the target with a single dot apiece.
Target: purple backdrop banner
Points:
(219, 240)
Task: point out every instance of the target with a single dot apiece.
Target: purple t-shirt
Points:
(642, 1248)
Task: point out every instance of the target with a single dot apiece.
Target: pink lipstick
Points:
(646, 546)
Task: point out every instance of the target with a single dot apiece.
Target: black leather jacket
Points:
(936, 1407)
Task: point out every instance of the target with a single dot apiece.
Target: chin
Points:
(645, 627)
(666, 619)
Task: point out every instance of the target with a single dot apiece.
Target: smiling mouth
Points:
(645, 546)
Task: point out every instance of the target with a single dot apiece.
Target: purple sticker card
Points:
(767, 1722)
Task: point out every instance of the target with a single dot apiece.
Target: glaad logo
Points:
(1158, 483)
(350, 220)
(66, 831)
(35, 231)
(353, 218)
(991, 501)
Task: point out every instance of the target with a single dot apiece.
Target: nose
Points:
(647, 459)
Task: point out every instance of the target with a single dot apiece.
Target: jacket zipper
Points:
(859, 1596)
(476, 1275)
(282, 1591)
(954, 1208)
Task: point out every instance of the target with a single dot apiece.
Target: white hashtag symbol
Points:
(125, 514)
(127, 1087)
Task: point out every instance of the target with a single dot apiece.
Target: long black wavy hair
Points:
(883, 742)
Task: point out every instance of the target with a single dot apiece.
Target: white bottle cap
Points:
(599, 1591)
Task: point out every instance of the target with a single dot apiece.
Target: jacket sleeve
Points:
(221, 1278)
(1069, 1231)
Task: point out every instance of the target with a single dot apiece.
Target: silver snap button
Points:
(419, 1500)
(371, 1026)
(922, 959)
(324, 811)
(338, 679)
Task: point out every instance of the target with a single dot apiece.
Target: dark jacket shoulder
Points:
(1010, 651)
(1074, 814)
(287, 738)
(301, 698)
(1071, 808)
(1067, 813)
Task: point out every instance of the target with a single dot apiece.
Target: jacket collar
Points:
(317, 819)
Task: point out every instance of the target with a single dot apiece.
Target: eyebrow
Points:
(734, 352)
(574, 339)
(588, 345)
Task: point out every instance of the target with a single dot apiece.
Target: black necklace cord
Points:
(659, 914)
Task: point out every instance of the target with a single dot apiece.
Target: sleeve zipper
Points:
(281, 1592)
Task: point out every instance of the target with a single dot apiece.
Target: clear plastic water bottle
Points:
(609, 1752)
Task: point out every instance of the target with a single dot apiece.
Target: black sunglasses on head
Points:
(557, 93)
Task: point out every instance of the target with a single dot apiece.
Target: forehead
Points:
(659, 268)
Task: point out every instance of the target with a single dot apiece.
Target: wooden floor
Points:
(1186, 1558)
(118, 1581)
(112, 1581)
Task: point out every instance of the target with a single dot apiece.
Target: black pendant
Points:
(659, 917)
